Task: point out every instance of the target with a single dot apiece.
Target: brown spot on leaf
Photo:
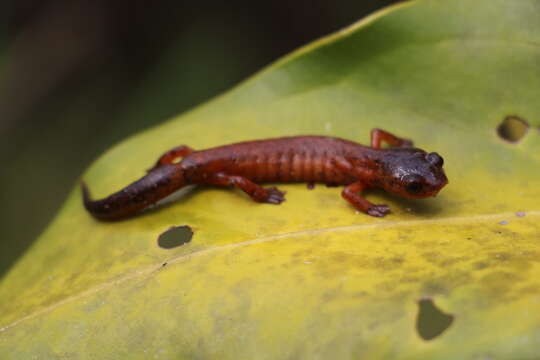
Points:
(431, 322)
(512, 129)
(175, 236)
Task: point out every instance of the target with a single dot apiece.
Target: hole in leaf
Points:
(175, 236)
(431, 321)
(512, 129)
(176, 160)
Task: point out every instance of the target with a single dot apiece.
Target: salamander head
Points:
(413, 173)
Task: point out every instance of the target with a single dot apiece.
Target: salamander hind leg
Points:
(350, 193)
(172, 156)
(270, 195)
(378, 136)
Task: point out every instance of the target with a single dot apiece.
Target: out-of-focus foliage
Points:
(82, 75)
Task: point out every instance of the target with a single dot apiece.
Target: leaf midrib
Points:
(291, 235)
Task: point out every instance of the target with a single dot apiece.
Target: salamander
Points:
(400, 169)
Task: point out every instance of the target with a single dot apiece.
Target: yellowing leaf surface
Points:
(312, 278)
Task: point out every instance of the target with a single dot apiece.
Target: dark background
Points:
(78, 76)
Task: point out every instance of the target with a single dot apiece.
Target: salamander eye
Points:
(415, 187)
(413, 184)
(435, 159)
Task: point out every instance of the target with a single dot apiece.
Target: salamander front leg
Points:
(172, 156)
(270, 195)
(378, 136)
(350, 193)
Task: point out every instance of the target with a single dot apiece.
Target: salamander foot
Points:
(275, 196)
(378, 210)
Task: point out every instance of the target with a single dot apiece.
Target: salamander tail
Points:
(146, 191)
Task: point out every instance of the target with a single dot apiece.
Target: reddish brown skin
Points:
(401, 169)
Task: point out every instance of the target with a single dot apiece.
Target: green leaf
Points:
(311, 278)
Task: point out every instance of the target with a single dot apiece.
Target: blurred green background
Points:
(78, 76)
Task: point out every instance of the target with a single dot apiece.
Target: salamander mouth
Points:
(428, 191)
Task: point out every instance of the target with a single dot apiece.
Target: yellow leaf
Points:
(312, 278)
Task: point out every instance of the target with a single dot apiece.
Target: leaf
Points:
(311, 278)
